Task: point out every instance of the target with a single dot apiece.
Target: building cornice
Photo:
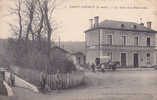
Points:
(121, 29)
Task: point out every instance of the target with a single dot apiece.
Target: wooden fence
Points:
(53, 81)
(63, 81)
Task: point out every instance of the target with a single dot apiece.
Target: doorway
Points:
(123, 59)
(136, 63)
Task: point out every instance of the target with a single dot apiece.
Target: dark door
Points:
(135, 60)
(123, 59)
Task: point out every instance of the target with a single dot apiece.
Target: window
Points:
(123, 40)
(148, 58)
(84, 59)
(122, 25)
(135, 26)
(148, 41)
(109, 39)
(136, 41)
(79, 60)
(148, 54)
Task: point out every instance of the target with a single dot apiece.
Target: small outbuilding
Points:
(79, 58)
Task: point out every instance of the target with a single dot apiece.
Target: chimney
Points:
(142, 24)
(149, 25)
(96, 21)
(91, 23)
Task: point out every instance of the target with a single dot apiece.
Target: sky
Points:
(72, 16)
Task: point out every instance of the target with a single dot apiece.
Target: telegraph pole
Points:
(59, 40)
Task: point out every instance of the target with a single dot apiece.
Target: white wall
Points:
(92, 38)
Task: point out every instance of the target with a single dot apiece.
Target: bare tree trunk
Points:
(31, 9)
(40, 23)
(48, 25)
(48, 12)
(20, 20)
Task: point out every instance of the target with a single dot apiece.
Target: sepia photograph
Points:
(78, 50)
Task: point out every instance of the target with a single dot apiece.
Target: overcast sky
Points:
(72, 15)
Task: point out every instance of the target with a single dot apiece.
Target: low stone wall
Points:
(3, 90)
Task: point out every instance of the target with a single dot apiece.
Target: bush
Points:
(30, 56)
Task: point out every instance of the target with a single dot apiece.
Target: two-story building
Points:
(130, 43)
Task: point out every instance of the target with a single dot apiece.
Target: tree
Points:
(34, 32)
(34, 27)
(34, 20)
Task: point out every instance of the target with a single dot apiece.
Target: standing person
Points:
(114, 66)
(93, 67)
(102, 67)
(42, 80)
(12, 79)
(58, 79)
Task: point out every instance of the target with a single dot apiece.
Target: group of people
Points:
(43, 79)
(59, 81)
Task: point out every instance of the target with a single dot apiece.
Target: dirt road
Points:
(119, 85)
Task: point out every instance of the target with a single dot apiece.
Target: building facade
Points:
(132, 44)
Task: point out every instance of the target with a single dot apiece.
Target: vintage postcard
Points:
(78, 50)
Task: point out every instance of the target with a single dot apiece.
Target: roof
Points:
(78, 53)
(74, 46)
(55, 48)
(121, 25)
